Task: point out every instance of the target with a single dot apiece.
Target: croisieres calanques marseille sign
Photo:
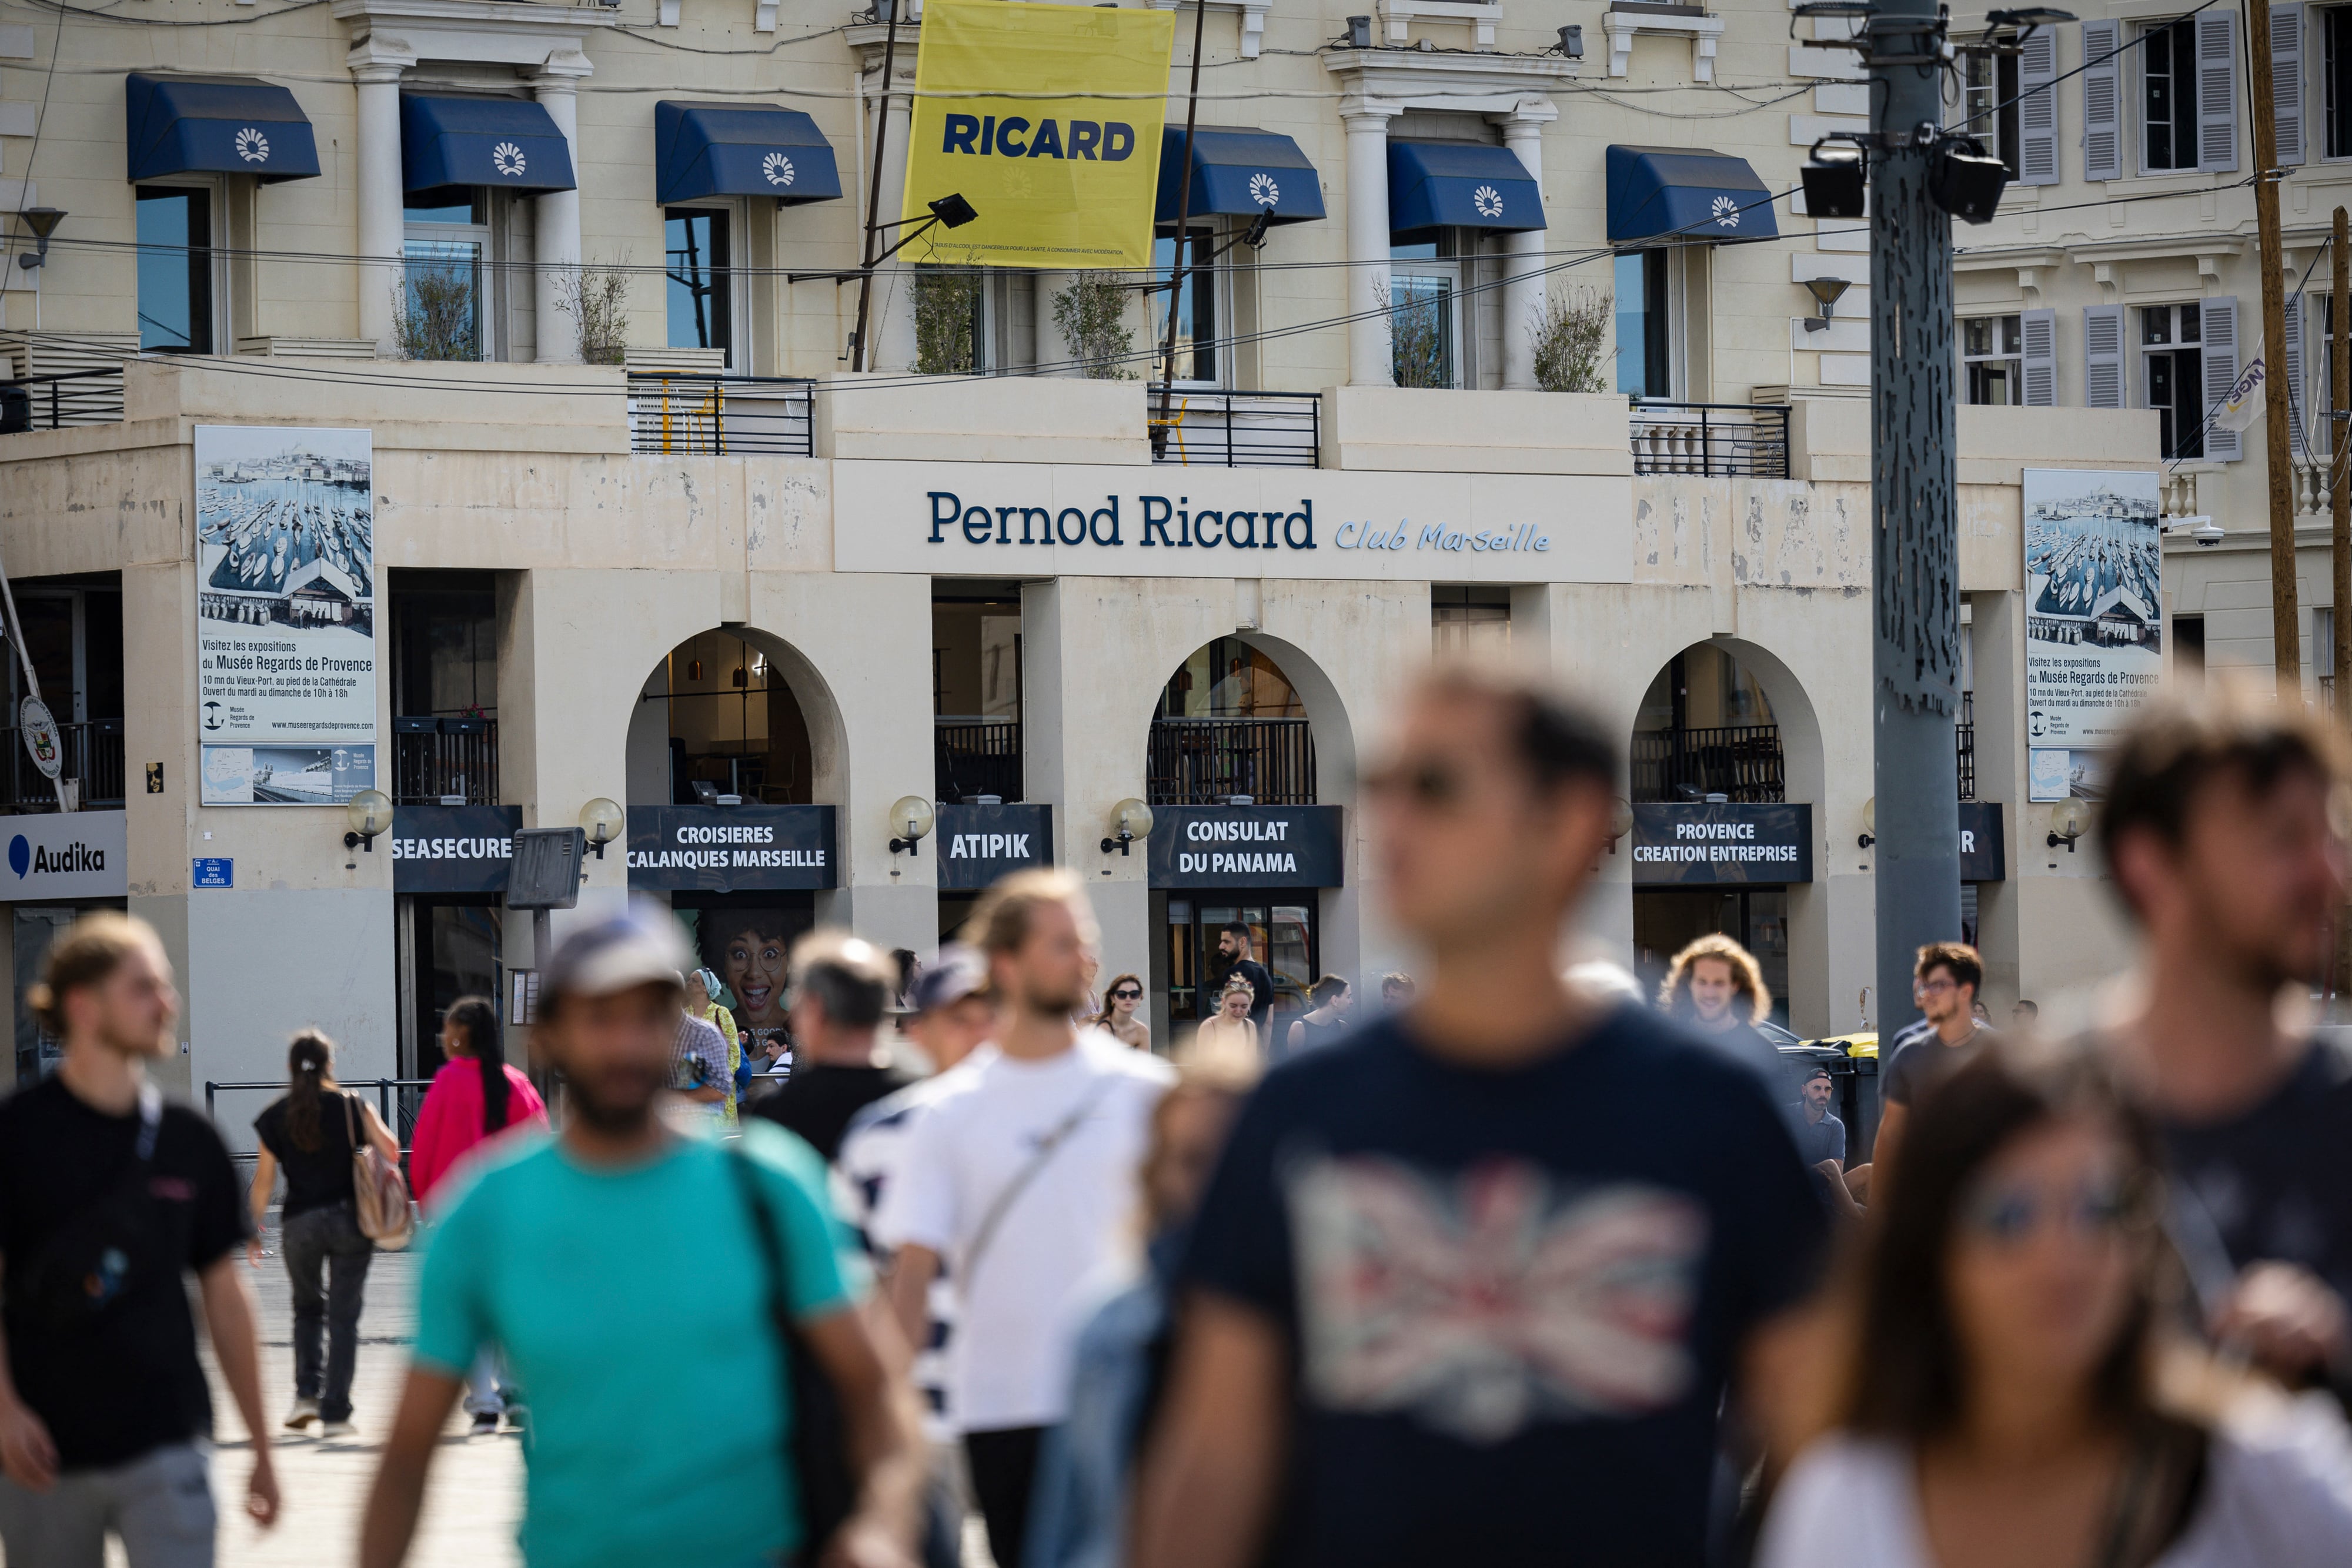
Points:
(978, 844)
(1703, 844)
(1246, 846)
(1037, 520)
(732, 849)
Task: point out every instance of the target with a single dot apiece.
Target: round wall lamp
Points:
(912, 816)
(1869, 823)
(370, 813)
(2069, 820)
(1621, 820)
(1129, 820)
(602, 820)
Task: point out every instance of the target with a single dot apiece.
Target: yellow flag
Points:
(1046, 119)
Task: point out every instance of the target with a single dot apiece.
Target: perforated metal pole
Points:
(1915, 555)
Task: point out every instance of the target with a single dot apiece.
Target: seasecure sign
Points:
(1704, 843)
(1046, 119)
(1246, 846)
(996, 519)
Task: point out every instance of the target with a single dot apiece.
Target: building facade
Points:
(759, 601)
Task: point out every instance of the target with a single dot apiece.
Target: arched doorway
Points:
(722, 737)
(1231, 765)
(1706, 734)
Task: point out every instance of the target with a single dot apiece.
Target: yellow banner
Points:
(1046, 119)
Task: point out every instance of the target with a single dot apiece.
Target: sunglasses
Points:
(2007, 1216)
(1428, 783)
(1127, 996)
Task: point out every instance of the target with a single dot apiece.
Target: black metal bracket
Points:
(1121, 843)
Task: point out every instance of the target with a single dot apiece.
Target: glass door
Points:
(1284, 937)
(440, 314)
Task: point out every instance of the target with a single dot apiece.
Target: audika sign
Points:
(1246, 846)
(65, 855)
(978, 845)
(1674, 843)
(732, 849)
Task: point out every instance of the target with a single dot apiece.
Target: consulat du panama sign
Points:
(1046, 520)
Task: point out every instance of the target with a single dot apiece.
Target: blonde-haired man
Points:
(1020, 1177)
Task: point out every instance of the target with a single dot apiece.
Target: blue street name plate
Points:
(211, 873)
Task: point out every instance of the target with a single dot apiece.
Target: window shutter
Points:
(2217, 92)
(2103, 89)
(2220, 326)
(2102, 356)
(2039, 331)
(2037, 110)
(2293, 356)
(2286, 81)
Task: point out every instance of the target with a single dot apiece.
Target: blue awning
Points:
(506, 142)
(1459, 184)
(1686, 194)
(1239, 173)
(741, 149)
(216, 125)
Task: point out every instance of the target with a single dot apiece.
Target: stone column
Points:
(1372, 360)
(1523, 276)
(382, 197)
(555, 232)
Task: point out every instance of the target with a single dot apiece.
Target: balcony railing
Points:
(976, 755)
(63, 401)
(1239, 430)
(705, 415)
(93, 756)
(1741, 762)
(1204, 761)
(1740, 440)
(445, 761)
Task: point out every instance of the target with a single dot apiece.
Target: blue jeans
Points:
(314, 1239)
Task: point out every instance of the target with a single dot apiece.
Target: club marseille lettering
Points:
(1236, 861)
(1704, 843)
(748, 853)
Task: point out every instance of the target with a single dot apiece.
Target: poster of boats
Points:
(2093, 618)
(286, 655)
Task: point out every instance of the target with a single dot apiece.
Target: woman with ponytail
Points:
(311, 1133)
(474, 1100)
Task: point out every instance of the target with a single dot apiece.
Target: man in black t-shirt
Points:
(108, 1196)
(2222, 829)
(1234, 944)
(841, 985)
(1469, 1287)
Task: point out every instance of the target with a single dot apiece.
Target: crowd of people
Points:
(1517, 1267)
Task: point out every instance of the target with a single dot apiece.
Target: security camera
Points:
(2207, 532)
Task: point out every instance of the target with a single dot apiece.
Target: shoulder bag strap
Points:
(968, 1266)
(350, 1124)
(779, 1305)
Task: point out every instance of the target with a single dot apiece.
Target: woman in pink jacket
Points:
(474, 1099)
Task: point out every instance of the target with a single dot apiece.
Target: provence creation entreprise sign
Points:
(1695, 844)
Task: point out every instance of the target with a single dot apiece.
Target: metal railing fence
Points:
(1737, 440)
(682, 415)
(1212, 429)
(1205, 761)
(1741, 762)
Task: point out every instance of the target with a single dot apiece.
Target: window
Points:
(175, 270)
(700, 284)
(2337, 70)
(1992, 354)
(1196, 312)
(1990, 105)
(1643, 368)
(1470, 621)
(2168, 95)
(2171, 339)
(1426, 313)
(441, 313)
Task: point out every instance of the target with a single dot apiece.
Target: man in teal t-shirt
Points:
(617, 1270)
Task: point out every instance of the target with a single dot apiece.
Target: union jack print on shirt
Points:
(1480, 1301)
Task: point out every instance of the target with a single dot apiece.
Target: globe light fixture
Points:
(911, 817)
(602, 820)
(369, 812)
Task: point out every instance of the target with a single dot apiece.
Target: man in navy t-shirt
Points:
(1469, 1287)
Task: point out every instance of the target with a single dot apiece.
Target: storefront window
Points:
(699, 282)
(175, 286)
(1196, 312)
(440, 312)
(1284, 937)
(1227, 678)
(1644, 369)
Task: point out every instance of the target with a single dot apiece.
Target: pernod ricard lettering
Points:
(752, 847)
(1165, 522)
(1252, 830)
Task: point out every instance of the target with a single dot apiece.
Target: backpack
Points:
(379, 1192)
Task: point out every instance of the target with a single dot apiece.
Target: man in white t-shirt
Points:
(1021, 1178)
